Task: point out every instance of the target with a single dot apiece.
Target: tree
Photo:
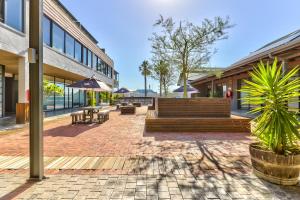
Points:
(50, 88)
(145, 69)
(186, 45)
(162, 71)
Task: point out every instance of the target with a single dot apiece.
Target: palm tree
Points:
(163, 73)
(145, 69)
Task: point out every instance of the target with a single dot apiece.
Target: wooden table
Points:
(89, 111)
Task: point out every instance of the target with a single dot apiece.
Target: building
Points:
(71, 53)
(287, 51)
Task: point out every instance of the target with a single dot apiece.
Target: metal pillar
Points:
(36, 91)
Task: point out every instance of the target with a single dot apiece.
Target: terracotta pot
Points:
(278, 169)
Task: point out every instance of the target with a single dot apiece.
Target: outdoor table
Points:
(89, 111)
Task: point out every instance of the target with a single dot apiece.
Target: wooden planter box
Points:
(194, 115)
(193, 107)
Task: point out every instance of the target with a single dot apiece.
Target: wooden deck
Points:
(124, 165)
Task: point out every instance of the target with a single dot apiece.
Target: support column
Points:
(23, 80)
(36, 91)
(22, 107)
(2, 91)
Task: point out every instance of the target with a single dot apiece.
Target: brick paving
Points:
(159, 165)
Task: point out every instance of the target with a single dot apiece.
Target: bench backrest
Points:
(193, 107)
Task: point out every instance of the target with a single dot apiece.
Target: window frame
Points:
(65, 41)
(64, 37)
(48, 18)
(23, 14)
(81, 51)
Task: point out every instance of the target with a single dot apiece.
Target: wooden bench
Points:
(152, 106)
(194, 115)
(193, 124)
(103, 116)
(76, 117)
(137, 104)
(127, 110)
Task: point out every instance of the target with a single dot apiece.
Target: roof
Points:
(189, 89)
(77, 22)
(288, 41)
(279, 44)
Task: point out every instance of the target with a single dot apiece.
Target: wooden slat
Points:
(193, 107)
(181, 124)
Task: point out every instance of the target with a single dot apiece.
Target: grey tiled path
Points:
(144, 187)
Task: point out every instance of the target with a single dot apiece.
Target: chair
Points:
(103, 116)
(76, 117)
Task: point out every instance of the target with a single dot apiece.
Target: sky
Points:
(123, 27)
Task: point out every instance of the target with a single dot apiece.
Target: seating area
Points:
(90, 115)
(194, 115)
(129, 109)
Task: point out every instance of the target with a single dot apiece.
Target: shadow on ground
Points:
(69, 130)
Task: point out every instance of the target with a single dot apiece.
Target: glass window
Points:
(46, 31)
(100, 67)
(78, 50)
(1, 10)
(76, 97)
(59, 100)
(82, 98)
(95, 61)
(84, 55)
(68, 95)
(49, 98)
(89, 58)
(70, 42)
(14, 13)
(58, 36)
(105, 69)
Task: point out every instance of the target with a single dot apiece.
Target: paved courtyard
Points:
(118, 160)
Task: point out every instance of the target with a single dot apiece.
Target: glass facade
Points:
(70, 46)
(71, 98)
(14, 14)
(58, 37)
(46, 31)
(68, 95)
(84, 55)
(78, 51)
(95, 61)
(49, 99)
(59, 99)
(89, 58)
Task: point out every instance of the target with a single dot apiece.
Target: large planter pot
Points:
(278, 169)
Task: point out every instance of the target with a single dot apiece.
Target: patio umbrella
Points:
(122, 91)
(91, 84)
(189, 89)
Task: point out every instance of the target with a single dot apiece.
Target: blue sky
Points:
(123, 27)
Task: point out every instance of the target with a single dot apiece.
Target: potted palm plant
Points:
(276, 155)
